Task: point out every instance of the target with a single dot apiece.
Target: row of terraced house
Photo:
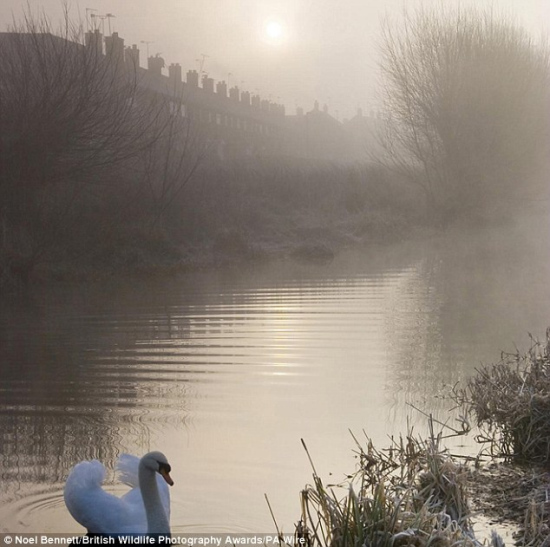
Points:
(240, 123)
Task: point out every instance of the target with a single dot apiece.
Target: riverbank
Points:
(230, 213)
(227, 213)
(416, 492)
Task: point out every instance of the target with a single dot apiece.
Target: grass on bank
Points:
(412, 493)
(231, 211)
(415, 493)
(510, 401)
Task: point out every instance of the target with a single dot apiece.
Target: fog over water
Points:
(226, 370)
(321, 50)
(221, 303)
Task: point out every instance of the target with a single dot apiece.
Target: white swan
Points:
(143, 510)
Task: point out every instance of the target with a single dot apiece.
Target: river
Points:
(226, 371)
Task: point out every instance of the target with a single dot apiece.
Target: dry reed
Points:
(511, 403)
(415, 493)
(412, 493)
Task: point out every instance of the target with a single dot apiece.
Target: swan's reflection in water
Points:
(226, 371)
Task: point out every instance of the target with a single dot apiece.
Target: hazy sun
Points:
(274, 32)
(274, 29)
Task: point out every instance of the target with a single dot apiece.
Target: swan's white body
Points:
(145, 509)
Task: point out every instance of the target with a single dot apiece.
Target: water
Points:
(226, 371)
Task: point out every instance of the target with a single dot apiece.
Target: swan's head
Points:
(157, 462)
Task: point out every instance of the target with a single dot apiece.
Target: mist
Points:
(327, 51)
(232, 229)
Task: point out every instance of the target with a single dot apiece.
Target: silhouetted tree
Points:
(77, 134)
(467, 102)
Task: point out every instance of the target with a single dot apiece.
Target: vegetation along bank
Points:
(415, 492)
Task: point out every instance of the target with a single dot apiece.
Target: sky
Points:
(289, 51)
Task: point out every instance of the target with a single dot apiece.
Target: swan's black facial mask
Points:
(164, 470)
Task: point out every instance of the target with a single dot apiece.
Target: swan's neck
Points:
(157, 521)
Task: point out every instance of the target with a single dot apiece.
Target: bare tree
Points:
(170, 163)
(78, 130)
(467, 101)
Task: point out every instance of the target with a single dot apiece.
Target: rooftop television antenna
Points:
(102, 18)
(201, 62)
(147, 42)
(88, 16)
(109, 16)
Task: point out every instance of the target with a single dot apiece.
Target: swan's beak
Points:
(166, 476)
